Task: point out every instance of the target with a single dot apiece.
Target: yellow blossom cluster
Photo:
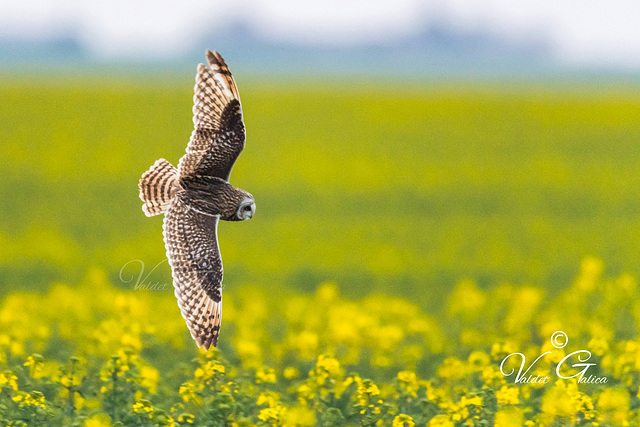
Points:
(104, 356)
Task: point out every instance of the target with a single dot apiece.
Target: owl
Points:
(195, 196)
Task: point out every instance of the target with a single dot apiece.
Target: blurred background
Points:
(375, 38)
(438, 184)
(393, 146)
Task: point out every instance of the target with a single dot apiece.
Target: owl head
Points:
(246, 208)
(239, 204)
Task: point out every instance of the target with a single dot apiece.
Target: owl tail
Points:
(157, 187)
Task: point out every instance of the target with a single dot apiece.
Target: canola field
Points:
(408, 239)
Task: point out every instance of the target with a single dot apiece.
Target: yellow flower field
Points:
(120, 356)
(422, 254)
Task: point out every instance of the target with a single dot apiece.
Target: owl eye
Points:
(247, 208)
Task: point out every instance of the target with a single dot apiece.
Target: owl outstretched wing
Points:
(219, 134)
(192, 249)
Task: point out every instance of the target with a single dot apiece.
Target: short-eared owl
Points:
(197, 194)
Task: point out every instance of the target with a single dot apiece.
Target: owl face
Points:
(246, 209)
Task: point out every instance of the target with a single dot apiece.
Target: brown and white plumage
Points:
(219, 135)
(157, 187)
(196, 265)
(196, 195)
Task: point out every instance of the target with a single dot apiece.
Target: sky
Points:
(603, 33)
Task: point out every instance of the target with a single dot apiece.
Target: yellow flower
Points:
(305, 393)
(143, 407)
(509, 417)
(290, 372)
(441, 421)
(327, 292)
(34, 362)
(452, 369)
(563, 399)
(556, 354)
(508, 395)
(613, 403)
(269, 398)
(149, 378)
(210, 370)
(226, 388)
(9, 379)
(188, 393)
(268, 414)
(598, 346)
(368, 388)
(35, 398)
(300, 416)
(408, 382)
(467, 401)
(186, 418)
(100, 420)
(478, 360)
(273, 415)
(79, 401)
(329, 365)
(403, 420)
(216, 367)
(266, 376)
(492, 376)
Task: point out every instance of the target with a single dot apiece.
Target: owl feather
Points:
(157, 187)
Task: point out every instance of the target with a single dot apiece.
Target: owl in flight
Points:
(196, 195)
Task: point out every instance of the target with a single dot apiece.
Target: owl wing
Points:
(196, 266)
(219, 135)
